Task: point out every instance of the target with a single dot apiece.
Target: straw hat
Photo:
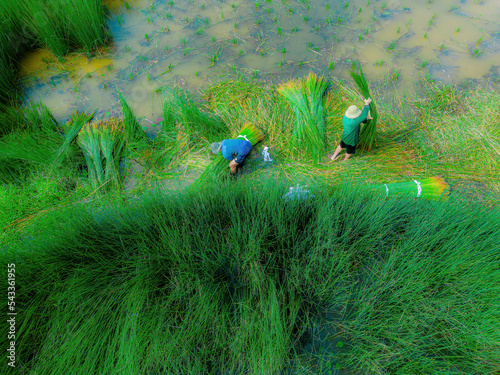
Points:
(215, 147)
(352, 112)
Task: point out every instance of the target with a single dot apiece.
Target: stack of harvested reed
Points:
(368, 133)
(433, 188)
(219, 165)
(306, 99)
(102, 145)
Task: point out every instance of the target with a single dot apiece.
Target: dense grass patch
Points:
(227, 279)
(58, 25)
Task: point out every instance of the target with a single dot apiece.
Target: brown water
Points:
(161, 43)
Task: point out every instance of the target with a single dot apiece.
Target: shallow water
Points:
(163, 43)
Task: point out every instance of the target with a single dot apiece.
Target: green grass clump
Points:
(368, 133)
(58, 25)
(227, 279)
(305, 96)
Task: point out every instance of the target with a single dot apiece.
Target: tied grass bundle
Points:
(369, 131)
(433, 188)
(251, 133)
(219, 165)
(305, 96)
(102, 145)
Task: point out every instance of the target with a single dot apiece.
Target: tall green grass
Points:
(58, 25)
(226, 279)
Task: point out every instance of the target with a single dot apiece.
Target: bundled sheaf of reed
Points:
(368, 132)
(432, 188)
(305, 96)
(251, 133)
(103, 145)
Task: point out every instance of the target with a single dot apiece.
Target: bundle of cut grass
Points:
(433, 188)
(369, 131)
(102, 145)
(305, 96)
(219, 165)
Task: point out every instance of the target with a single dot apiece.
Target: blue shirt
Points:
(235, 148)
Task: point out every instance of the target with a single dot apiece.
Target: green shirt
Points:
(352, 126)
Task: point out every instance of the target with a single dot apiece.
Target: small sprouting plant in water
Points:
(255, 74)
(232, 6)
(183, 41)
(399, 30)
(235, 25)
(196, 74)
(424, 64)
(425, 36)
(310, 44)
(257, 5)
(169, 16)
(442, 47)
(394, 75)
(258, 22)
(331, 66)
(126, 5)
(290, 11)
(280, 30)
(458, 29)
(275, 19)
(283, 50)
(132, 76)
(431, 21)
(300, 64)
(214, 39)
(479, 41)
(383, 6)
(234, 41)
(222, 15)
(476, 52)
(263, 53)
(187, 51)
(346, 5)
(241, 53)
(360, 10)
(202, 7)
(295, 29)
(199, 32)
(305, 18)
(148, 77)
(146, 36)
(150, 20)
(360, 37)
(128, 49)
(327, 7)
(379, 62)
(391, 46)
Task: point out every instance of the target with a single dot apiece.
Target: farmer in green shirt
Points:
(352, 124)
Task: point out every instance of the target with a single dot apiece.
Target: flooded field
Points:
(194, 43)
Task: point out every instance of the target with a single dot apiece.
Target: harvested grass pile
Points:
(305, 96)
(368, 133)
(227, 280)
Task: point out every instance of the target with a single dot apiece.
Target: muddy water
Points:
(193, 43)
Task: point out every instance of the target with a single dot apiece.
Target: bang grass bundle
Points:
(368, 133)
(432, 188)
(102, 145)
(135, 137)
(305, 96)
(71, 130)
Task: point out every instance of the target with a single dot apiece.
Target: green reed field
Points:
(226, 277)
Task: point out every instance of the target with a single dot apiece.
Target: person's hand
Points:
(369, 117)
(368, 101)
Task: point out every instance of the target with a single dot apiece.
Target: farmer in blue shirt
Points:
(352, 124)
(235, 150)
